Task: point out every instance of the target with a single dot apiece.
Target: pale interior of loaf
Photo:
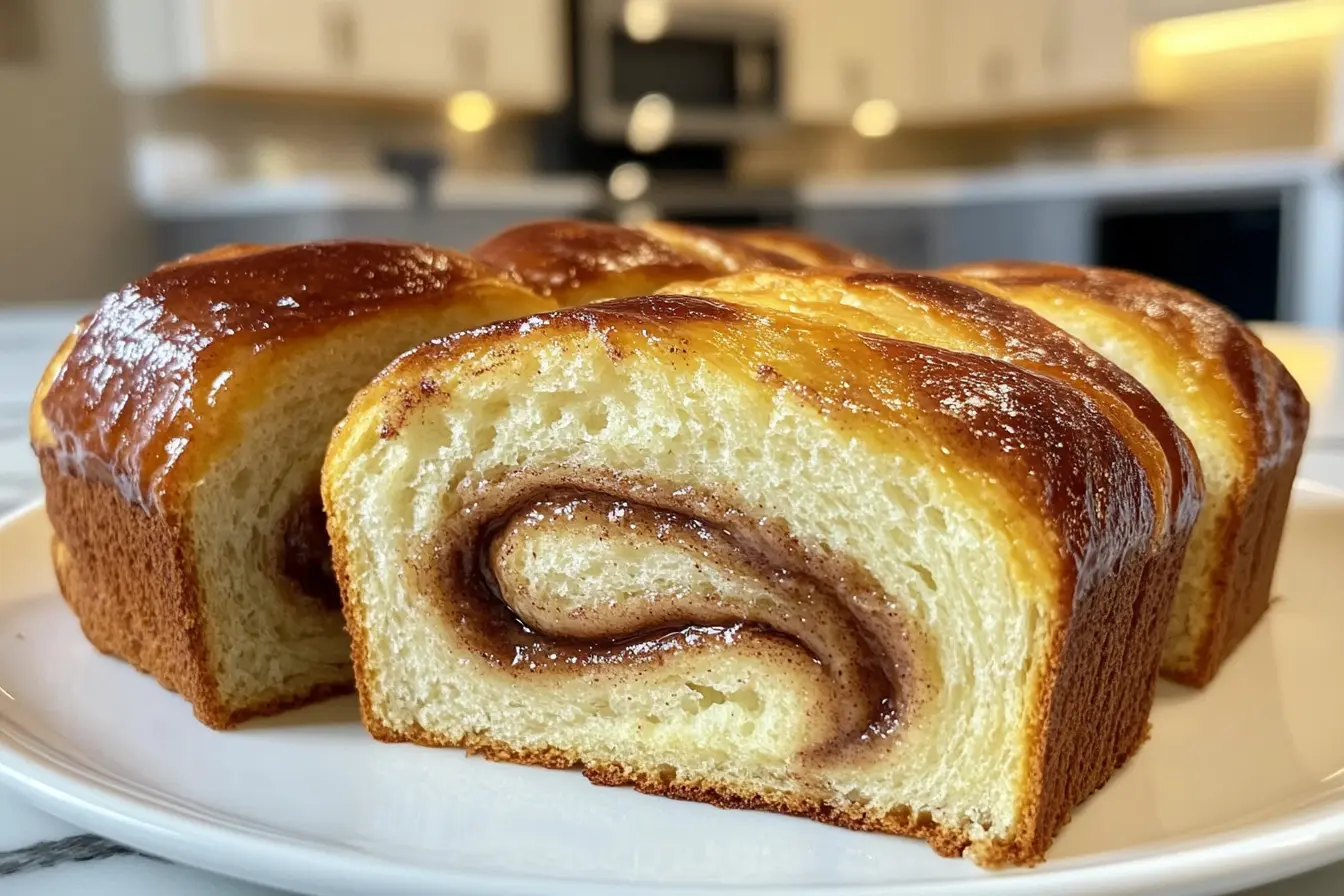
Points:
(1142, 354)
(735, 719)
(267, 640)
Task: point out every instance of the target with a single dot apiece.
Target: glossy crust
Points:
(159, 372)
(1249, 390)
(147, 392)
(576, 262)
(810, 250)
(1090, 711)
(1245, 384)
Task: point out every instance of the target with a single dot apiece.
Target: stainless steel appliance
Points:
(1229, 248)
(718, 69)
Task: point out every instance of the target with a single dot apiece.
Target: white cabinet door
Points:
(982, 54)
(1000, 58)
(824, 74)
(407, 47)
(902, 48)
(514, 50)
(290, 44)
(511, 49)
(1088, 51)
(838, 54)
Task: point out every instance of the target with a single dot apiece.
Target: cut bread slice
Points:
(1240, 407)
(180, 432)
(754, 558)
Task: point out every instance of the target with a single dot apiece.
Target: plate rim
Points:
(1241, 856)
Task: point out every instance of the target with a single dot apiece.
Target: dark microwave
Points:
(718, 69)
(1229, 248)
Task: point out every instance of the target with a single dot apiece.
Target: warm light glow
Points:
(645, 20)
(650, 125)
(1249, 26)
(471, 111)
(876, 118)
(637, 213)
(628, 181)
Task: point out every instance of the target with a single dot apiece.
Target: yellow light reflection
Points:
(471, 111)
(1249, 26)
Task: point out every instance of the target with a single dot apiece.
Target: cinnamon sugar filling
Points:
(826, 608)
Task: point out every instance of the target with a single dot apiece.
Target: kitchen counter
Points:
(1091, 180)
(463, 210)
(41, 855)
(1053, 211)
(372, 190)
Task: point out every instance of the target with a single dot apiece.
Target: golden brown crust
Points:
(579, 261)
(1256, 401)
(128, 576)
(719, 250)
(142, 388)
(151, 389)
(924, 308)
(576, 262)
(810, 250)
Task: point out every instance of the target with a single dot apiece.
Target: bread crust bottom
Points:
(128, 575)
(949, 842)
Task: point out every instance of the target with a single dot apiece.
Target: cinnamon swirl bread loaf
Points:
(180, 432)
(1236, 402)
(748, 550)
(1239, 405)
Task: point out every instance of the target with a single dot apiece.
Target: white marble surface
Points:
(369, 190)
(1077, 180)
(41, 855)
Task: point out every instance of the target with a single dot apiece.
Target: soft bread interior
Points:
(1211, 425)
(269, 639)
(740, 718)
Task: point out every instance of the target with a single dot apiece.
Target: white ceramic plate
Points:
(1239, 785)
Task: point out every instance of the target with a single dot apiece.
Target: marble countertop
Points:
(1090, 180)
(41, 855)
(370, 191)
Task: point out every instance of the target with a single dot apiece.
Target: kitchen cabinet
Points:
(1147, 11)
(427, 49)
(956, 61)
(1000, 58)
(256, 41)
(841, 53)
(522, 63)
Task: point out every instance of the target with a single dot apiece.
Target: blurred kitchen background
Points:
(1194, 139)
